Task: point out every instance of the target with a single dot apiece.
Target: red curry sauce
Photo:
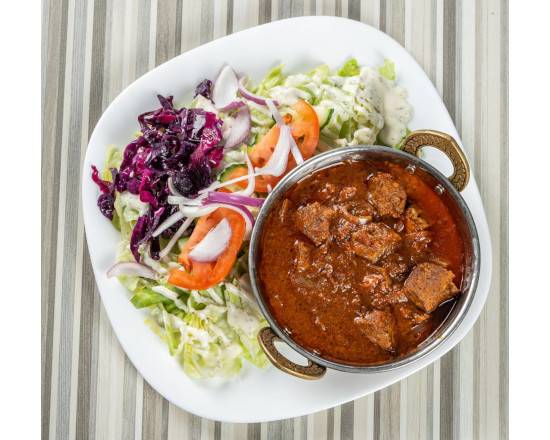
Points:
(360, 262)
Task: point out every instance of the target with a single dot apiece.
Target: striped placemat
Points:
(92, 50)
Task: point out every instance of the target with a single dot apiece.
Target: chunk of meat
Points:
(302, 256)
(397, 266)
(387, 195)
(411, 313)
(359, 212)
(376, 281)
(418, 243)
(343, 230)
(414, 222)
(379, 327)
(347, 193)
(373, 281)
(327, 191)
(313, 220)
(381, 298)
(374, 241)
(429, 285)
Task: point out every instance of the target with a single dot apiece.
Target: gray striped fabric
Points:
(92, 50)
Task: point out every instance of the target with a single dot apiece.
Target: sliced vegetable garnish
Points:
(278, 161)
(172, 220)
(240, 129)
(304, 126)
(225, 88)
(131, 268)
(197, 275)
(280, 122)
(247, 94)
(212, 244)
(242, 210)
(178, 234)
(223, 197)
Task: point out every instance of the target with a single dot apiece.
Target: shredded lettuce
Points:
(273, 78)
(113, 159)
(210, 332)
(349, 101)
(216, 332)
(350, 68)
(145, 297)
(388, 70)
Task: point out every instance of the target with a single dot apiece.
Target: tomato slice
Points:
(260, 186)
(199, 276)
(304, 126)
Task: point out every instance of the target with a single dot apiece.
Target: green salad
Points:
(184, 194)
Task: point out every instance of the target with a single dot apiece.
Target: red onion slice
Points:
(249, 95)
(173, 219)
(243, 210)
(233, 105)
(225, 88)
(274, 112)
(251, 178)
(240, 129)
(196, 211)
(181, 200)
(238, 199)
(213, 243)
(296, 153)
(184, 226)
(130, 268)
(277, 163)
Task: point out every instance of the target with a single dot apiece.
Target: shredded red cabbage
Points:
(179, 143)
(204, 88)
(106, 200)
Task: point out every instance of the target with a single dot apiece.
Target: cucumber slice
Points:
(252, 140)
(347, 130)
(224, 175)
(324, 114)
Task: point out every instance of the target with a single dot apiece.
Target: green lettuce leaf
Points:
(273, 78)
(145, 297)
(388, 70)
(113, 159)
(320, 73)
(350, 68)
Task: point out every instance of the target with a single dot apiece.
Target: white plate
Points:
(300, 43)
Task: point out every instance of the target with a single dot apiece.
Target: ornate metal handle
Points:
(445, 143)
(267, 338)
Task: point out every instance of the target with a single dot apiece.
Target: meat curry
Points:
(360, 262)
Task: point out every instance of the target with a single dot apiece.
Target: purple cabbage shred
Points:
(204, 88)
(183, 144)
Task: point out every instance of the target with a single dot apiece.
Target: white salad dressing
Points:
(390, 100)
(288, 95)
